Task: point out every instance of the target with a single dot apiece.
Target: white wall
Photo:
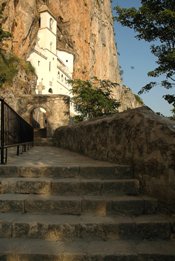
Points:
(53, 67)
(67, 58)
(46, 20)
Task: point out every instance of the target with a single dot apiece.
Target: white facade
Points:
(53, 67)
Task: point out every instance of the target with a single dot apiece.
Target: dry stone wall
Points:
(137, 137)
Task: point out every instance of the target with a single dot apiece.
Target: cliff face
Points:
(84, 27)
(20, 17)
(88, 25)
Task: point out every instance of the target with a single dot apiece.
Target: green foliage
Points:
(154, 22)
(27, 66)
(5, 72)
(138, 99)
(173, 111)
(3, 34)
(92, 99)
(8, 67)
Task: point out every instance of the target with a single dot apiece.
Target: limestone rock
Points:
(23, 84)
(127, 99)
(84, 28)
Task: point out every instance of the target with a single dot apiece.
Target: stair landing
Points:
(52, 156)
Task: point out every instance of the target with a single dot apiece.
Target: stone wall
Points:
(56, 107)
(137, 137)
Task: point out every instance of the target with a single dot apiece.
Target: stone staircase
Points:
(80, 214)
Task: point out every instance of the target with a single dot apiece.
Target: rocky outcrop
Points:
(23, 83)
(21, 19)
(137, 137)
(125, 96)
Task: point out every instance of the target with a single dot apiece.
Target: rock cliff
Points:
(85, 28)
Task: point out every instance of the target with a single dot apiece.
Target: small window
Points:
(51, 23)
(58, 75)
(50, 90)
(38, 63)
(49, 66)
(51, 46)
(66, 61)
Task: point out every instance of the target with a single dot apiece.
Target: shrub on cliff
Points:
(92, 99)
(3, 35)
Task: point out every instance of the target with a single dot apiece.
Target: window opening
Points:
(50, 90)
(51, 23)
(51, 46)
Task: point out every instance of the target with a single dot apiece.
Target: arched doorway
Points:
(39, 121)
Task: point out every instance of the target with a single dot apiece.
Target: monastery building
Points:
(53, 67)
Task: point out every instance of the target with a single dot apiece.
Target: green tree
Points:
(3, 35)
(154, 21)
(92, 99)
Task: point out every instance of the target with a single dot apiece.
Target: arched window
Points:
(39, 22)
(50, 90)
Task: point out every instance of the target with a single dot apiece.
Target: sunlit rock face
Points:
(84, 28)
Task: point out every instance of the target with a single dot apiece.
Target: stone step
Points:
(69, 186)
(71, 228)
(76, 205)
(37, 250)
(73, 171)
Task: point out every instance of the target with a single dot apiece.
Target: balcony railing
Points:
(14, 132)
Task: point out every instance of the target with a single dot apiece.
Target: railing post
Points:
(2, 131)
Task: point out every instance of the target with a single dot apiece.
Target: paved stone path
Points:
(51, 156)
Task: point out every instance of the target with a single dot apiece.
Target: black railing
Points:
(14, 131)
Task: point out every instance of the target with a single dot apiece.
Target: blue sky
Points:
(137, 54)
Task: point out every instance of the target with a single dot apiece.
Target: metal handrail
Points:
(14, 131)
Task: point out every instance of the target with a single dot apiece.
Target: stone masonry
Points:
(61, 206)
(56, 107)
(137, 137)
